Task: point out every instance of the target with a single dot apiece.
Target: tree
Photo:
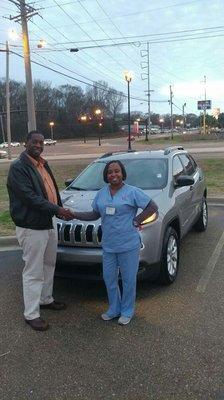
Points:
(114, 103)
(221, 120)
(96, 96)
(192, 120)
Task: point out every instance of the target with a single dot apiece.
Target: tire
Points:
(202, 222)
(170, 257)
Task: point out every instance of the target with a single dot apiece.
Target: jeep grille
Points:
(79, 234)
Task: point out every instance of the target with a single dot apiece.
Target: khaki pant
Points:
(39, 254)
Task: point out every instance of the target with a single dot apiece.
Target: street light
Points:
(52, 131)
(128, 77)
(41, 44)
(83, 119)
(98, 113)
(161, 120)
(13, 34)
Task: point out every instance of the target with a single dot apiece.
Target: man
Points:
(34, 203)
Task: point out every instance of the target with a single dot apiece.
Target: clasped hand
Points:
(66, 214)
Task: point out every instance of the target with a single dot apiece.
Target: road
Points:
(69, 150)
(173, 349)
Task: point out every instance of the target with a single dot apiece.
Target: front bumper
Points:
(85, 261)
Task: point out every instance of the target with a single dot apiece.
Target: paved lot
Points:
(173, 349)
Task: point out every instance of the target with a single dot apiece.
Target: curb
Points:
(10, 241)
(6, 241)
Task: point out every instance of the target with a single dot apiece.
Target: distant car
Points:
(4, 145)
(3, 154)
(49, 142)
(15, 144)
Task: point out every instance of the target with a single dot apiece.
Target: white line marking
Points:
(216, 204)
(203, 282)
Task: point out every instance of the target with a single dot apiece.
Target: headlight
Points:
(152, 218)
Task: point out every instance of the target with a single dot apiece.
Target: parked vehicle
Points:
(49, 142)
(172, 178)
(4, 145)
(3, 154)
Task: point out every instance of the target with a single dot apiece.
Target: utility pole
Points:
(184, 105)
(7, 96)
(2, 127)
(145, 76)
(204, 115)
(29, 84)
(8, 126)
(171, 111)
(26, 11)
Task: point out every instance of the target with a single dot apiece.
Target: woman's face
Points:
(114, 174)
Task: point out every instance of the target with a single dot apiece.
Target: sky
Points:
(185, 40)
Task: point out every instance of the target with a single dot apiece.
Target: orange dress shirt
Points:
(48, 183)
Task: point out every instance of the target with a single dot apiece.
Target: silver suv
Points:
(171, 177)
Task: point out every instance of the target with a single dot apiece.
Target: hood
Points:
(82, 200)
(78, 200)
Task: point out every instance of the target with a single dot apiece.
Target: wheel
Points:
(202, 222)
(170, 257)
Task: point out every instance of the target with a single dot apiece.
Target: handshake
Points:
(65, 213)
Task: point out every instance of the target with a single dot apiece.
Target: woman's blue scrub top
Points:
(117, 213)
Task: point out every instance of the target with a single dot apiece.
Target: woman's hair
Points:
(105, 171)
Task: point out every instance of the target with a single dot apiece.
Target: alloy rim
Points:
(172, 255)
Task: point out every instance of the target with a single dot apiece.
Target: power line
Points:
(96, 61)
(135, 13)
(127, 55)
(84, 61)
(149, 35)
(68, 15)
(76, 79)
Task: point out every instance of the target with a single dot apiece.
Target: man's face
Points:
(35, 145)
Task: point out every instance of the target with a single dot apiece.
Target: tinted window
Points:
(178, 168)
(143, 173)
(189, 168)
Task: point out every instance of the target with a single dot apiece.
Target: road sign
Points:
(204, 105)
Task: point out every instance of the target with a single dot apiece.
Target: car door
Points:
(182, 195)
(197, 189)
(193, 171)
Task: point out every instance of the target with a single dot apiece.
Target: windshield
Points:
(143, 173)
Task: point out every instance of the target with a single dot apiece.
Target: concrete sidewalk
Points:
(10, 242)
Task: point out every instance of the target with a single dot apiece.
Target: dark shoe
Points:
(55, 305)
(37, 324)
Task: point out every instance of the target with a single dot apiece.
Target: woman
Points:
(117, 204)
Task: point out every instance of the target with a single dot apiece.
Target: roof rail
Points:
(117, 152)
(168, 150)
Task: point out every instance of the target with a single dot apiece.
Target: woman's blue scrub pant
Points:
(127, 263)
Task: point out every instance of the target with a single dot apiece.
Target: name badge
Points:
(110, 210)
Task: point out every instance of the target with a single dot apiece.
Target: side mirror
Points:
(183, 180)
(68, 182)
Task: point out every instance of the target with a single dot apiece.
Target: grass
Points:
(214, 172)
(180, 139)
(213, 169)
